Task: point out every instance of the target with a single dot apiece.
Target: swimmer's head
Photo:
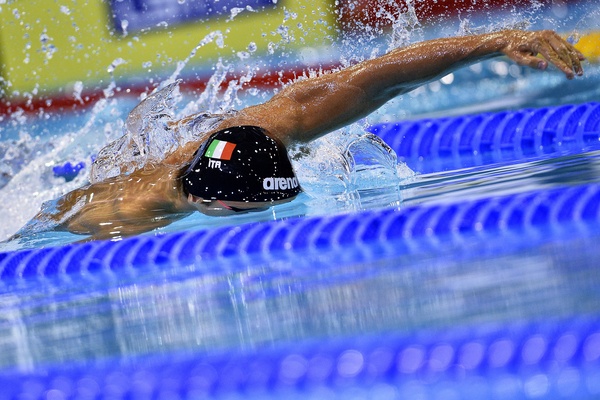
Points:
(240, 169)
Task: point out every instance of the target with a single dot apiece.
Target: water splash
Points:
(235, 11)
(48, 48)
(406, 27)
(14, 155)
(215, 36)
(586, 23)
(346, 162)
(77, 89)
(209, 98)
(146, 140)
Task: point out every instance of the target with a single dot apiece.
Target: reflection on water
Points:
(248, 304)
(504, 178)
(254, 303)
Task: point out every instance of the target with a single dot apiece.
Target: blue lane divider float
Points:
(513, 213)
(519, 133)
(482, 138)
(557, 358)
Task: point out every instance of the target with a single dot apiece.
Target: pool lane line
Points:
(528, 214)
(519, 133)
(434, 144)
(556, 357)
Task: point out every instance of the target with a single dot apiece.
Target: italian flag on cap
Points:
(220, 149)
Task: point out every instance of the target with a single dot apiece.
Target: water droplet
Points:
(65, 10)
(77, 89)
(44, 38)
(124, 26)
(111, 68)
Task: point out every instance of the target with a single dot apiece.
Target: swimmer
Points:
(241, 165)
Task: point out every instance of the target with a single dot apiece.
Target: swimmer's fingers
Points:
(562, 54)
(558, 52)
(552, 47)
(527, 57)
(574, 55)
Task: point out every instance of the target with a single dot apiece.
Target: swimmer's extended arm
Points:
(311, 108)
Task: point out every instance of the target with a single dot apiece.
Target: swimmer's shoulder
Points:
(149, 194)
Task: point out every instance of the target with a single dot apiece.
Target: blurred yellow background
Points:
(47, 45)
(589, 45)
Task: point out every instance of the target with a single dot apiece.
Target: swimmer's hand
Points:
(524, 47)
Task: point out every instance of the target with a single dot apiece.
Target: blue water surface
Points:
(475, 278)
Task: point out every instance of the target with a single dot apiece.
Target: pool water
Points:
(351, 291)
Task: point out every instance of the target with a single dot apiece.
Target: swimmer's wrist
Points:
(495, 43)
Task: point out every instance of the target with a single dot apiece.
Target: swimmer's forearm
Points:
(314, 107)
(405, 69)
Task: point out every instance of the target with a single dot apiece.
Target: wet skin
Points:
(303, 111)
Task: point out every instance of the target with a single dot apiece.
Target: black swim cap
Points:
(241, 163)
